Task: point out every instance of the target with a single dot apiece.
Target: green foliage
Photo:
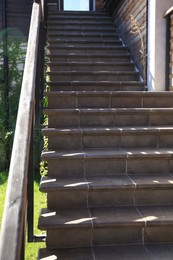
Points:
(16, 54)
(16, 57)
(31, 251)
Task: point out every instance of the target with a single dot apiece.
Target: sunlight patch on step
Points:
(51, 257)
(49, 214)
(72, 154)
(77, 184)
(149, 218)
(48, 181)
(79, 221)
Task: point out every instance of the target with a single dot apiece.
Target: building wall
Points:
(18, 14)
(171, 55)
(130, 18)
(157, 28)
(18, 17)
(99, 4)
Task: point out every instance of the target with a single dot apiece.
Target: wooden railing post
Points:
(13, 234)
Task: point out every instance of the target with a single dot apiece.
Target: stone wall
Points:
(130, 18)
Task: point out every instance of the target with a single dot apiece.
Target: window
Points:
(76, 5)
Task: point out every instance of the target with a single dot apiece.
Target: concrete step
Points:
(79, 16)
(125, 252)
(93, 76)
(76, 35)
(83, 57)
(90, 66)
(96, 162)
(87, 49)
(119, 138)
(96, 86)
(81, 29)
(59, 24)
(114, 117)
(85, 42)
(97, 13)
(109, 99)
(86, 227)
(107, 191)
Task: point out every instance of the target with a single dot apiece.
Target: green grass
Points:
(39, 202)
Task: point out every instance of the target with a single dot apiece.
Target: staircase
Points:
(110, 151)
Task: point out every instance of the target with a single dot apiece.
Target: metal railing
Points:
(18, 208)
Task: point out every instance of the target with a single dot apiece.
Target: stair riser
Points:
(107, 100)
(87, 40)
(76, 119)
(109, 166)
(109, 197)
(86, 27)
(109, 236)
(105, 51)
(76, 19)
(88, 58)
(90, 67)
(93, 76)
(81, 30)
(82, 22)
(83, 42)
(75, 237)
(97, 86)
(118, 141)
(87, 37)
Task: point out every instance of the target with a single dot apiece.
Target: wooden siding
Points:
(99, 4)
(131, 20)
(18, 18)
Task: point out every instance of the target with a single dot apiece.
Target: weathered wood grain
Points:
(16, 197)
(136, 9)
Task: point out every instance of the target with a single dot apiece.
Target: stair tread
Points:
(94, 217)
(93, 63)
(94, 72)
(111, 130)
(85, 217)
(107, 182)
(86, 41)
(116, 93)
(108, 153)
(97, 83)
(102, 55)
(109, 110)
(125, 252)
(94, 47)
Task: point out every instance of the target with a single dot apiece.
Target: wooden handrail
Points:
(13, 223)
(168, 12)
